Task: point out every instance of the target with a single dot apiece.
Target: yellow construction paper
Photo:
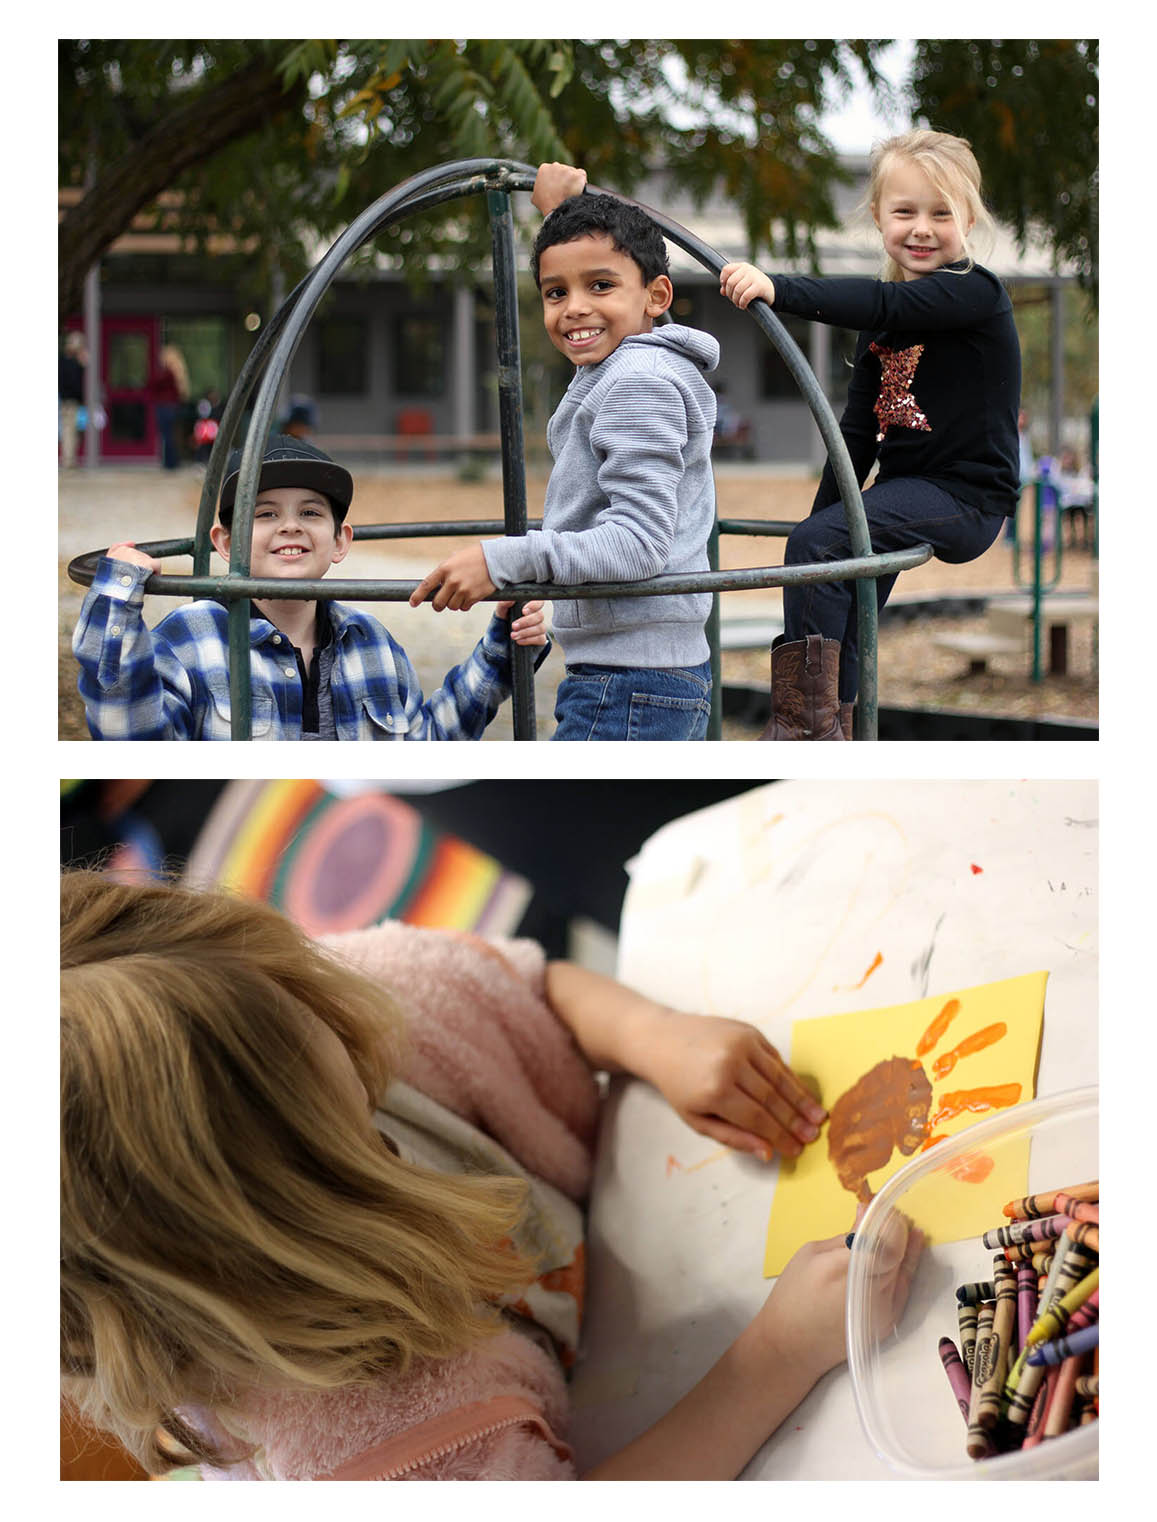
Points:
(832, 1053)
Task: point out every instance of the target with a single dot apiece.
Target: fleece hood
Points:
(697, 346)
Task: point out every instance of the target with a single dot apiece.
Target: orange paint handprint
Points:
(890, 1107)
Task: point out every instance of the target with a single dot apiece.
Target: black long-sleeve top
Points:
(935, 385)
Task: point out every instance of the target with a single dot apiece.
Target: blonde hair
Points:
(951, 166)
(228, 1218)
(174, 360)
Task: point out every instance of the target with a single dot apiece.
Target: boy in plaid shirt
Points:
(320, 670)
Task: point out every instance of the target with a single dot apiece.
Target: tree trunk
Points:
(186, 136)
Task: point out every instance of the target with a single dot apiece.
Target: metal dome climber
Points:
(269, 361)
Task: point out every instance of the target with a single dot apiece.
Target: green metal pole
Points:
(1037, 553)
(510, 425)
(714, 626)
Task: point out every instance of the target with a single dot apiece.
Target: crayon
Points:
(1080, 1210)
(957, 1375)
(978, 1443)
(1089, 1385)
(1060, 1407)
(1026, 1293)
(1086, 1234)
(1056, 1318)
(1024, 1380)
(1004, 1316)
(1034, 1431)
(972, 1294)
(1034, 1205)
(1086, 1314)
(1026, 1231)
(1031, 1252)
(966, 1318)
(1069, 1346)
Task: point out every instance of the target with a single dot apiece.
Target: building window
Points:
(342, 357)
(420, 356)
(775, 379)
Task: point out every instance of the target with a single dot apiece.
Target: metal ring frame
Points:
(273, 353)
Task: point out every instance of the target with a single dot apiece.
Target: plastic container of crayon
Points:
(906, 1406)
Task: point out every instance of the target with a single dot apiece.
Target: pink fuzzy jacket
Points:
(485, 1044)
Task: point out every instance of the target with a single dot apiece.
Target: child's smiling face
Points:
(293, 535)
(594, 296)
(919, 230)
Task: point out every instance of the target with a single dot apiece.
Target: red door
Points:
(128, 350)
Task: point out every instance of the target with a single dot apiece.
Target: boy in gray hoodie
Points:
(631, 494)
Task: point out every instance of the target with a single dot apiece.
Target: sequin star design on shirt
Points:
(895, 405)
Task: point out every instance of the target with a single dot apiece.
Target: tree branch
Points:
(196, 130)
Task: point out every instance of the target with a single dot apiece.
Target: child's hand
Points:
(804, 1315)
(530, 628)
(726, 1081)
(743, 283)
(129, 552)
(461, 581)
(554, 183)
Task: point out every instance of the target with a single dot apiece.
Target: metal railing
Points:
(269, 362)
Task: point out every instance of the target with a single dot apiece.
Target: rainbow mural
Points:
(342, 863)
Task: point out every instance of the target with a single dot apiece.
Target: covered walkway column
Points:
(463, 365)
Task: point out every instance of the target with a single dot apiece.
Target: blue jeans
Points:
(900, 514)
(621, 703)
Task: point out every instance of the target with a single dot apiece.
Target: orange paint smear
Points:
(941, 1023)
(972, 1168)
(974, 1043)
(673, 1163)
(877, 963)
(996, 1096)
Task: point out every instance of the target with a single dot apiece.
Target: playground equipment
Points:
(1042, 607)
(269, 362)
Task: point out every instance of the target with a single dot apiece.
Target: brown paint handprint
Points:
(888, 1108)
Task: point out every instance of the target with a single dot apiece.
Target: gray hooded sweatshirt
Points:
(631, 495)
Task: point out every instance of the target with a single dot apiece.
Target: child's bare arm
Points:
(794, 1339)
(554, 183)
(720, 1076)
(743, 284)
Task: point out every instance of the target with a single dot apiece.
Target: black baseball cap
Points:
(291, 462)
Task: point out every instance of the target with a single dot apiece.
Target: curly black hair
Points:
(630, 230)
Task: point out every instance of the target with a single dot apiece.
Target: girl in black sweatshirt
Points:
(933, 398)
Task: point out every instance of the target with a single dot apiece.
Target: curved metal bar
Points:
(230, 588)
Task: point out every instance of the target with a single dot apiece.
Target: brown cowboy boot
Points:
(846, 712)
(805, 701)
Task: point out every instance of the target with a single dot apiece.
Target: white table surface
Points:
(771, 907)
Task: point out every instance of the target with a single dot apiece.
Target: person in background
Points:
(169, 391)
(70, 395)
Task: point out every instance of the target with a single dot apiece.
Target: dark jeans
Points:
(167, 414)
(622, 703)
(900, 514)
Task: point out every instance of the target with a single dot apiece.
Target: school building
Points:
(385, 367)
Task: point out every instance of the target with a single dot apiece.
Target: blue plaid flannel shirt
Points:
(172, 682)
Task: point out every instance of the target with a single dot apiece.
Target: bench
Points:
(979, 648)
(408, 445)
(1013, 617)
(1009, 623)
